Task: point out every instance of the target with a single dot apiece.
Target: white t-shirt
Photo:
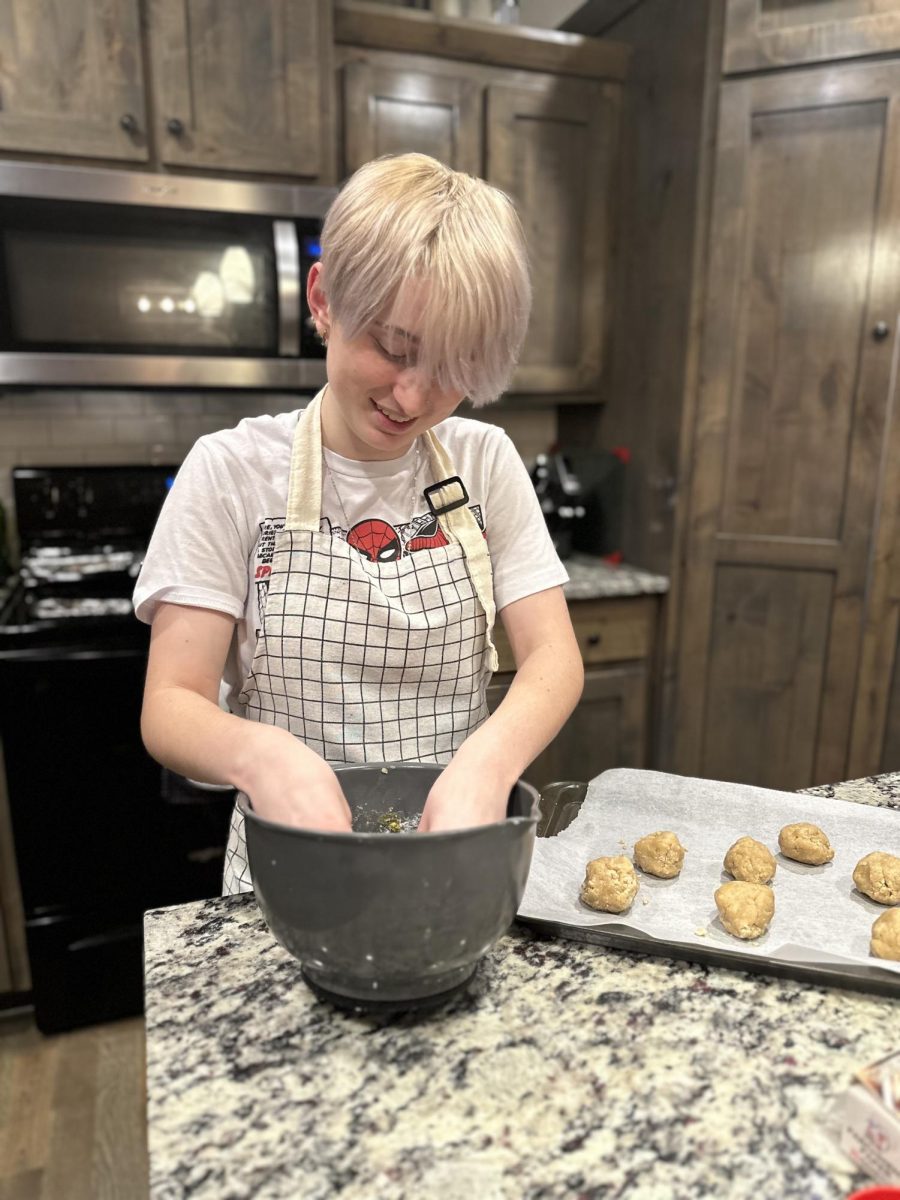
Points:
(212, 546)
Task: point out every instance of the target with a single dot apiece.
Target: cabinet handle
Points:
(594, 640)
(880, 332)
(175, 126)
(128, 122)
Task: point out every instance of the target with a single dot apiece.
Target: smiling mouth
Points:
(391, 417)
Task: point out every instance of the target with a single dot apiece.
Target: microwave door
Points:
(111, 296)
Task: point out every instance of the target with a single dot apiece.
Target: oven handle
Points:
(287, 270)
(60, 652)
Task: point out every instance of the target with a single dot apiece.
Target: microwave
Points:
(129, 279)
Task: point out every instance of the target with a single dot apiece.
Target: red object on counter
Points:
(879, 1192)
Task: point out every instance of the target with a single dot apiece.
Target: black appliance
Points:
(101, 832)
(560, 494)
(582, 496)
(124, 278)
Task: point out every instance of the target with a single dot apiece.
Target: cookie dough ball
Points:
(750, 861)
(878, 877)
(805, 843)
(610, 884)
(886, 936)
(745, 909)
(660, 854)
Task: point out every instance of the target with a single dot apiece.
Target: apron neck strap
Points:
(304, 500)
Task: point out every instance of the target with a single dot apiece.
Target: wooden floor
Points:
(72, 1112)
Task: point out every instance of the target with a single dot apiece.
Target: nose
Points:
(411, 391)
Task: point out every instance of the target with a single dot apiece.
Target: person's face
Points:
(377, 403)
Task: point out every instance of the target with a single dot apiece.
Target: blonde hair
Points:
(408, 218)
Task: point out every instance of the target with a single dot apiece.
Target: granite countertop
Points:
(565, 1071)
(593, 578)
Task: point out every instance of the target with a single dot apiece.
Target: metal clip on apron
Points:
(367, 661)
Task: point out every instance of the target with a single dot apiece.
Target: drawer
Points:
(606, 630)
(614, 630)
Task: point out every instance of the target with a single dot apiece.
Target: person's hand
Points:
(467, 792)
(290, 784)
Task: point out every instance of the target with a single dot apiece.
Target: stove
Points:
(101, 831)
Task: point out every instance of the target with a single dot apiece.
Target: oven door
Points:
(117, 295)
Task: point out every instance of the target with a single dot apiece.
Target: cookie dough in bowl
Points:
(745, 909)
(660, 854)
(610, 884)
(886, 936)
(750, 861)
(805, 843)
(877, 876)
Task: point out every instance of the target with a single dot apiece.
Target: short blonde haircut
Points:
(409, 218)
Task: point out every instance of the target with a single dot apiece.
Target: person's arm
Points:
(474, 787)
(184, 728)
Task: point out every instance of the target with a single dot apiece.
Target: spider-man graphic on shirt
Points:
(375, 539)
(379, 541)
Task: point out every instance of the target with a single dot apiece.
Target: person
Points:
(323, 584)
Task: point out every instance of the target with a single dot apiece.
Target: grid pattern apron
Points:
(366, 661)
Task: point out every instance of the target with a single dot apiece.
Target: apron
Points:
(366, 661)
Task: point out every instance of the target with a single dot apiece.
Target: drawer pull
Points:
(594, 640)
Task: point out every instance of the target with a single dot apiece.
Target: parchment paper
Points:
(820, 917)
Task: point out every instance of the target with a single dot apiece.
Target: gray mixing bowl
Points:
(391, 918)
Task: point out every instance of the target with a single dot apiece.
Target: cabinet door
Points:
(551, 146)
(70, 78)
(242, 86)
(772, 33)
(887, 738)
(888, 729)
(607, 729)
(876, 715)
(398, 109)
(803, 291)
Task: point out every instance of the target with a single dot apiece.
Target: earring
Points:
(322, 334)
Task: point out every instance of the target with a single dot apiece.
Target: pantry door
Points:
(803, 293)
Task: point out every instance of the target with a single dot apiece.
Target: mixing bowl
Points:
(381, 918)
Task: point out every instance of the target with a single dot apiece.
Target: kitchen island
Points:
(566, 1070)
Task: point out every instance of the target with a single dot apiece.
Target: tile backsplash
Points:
(105, 427)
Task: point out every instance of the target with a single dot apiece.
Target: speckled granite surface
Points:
(565, 1071)
(593, 578)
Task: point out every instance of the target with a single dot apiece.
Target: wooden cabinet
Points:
(550, 144)
(242, 87)
(884, 734)
(71, 81)
(609, 728)
(395, 108)
(753, 370)
(549, 139)
(803, 296)
(233, 86)
(771, 33)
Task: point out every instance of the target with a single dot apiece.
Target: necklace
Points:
(412, 490)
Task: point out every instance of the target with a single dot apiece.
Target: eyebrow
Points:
(404, 333)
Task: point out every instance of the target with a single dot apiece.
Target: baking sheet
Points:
(820, 918)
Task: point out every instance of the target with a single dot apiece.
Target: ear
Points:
(315, 296)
